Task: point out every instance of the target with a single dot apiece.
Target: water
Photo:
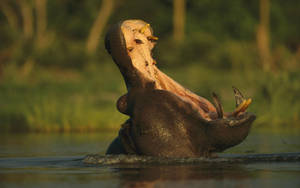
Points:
(51, 160)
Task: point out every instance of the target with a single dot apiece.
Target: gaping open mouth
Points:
(130, 43)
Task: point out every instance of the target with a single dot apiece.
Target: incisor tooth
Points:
(143, 29)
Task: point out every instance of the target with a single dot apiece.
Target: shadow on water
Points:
(42, 160)
(185, 175)
(72, 171)
(227, 169)
(206, 175)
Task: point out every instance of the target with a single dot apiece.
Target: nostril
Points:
(130, 49)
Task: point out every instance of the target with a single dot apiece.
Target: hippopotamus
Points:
(166, 119)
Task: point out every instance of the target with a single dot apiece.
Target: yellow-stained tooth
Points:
(143, 29)
(248, 102)
(243, 106)
(238, 109)
(152, 38)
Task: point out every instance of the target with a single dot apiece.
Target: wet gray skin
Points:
(163, 121)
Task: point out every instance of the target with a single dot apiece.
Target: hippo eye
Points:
(138, 41)
(152, 38)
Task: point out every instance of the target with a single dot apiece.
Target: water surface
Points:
(49, 160)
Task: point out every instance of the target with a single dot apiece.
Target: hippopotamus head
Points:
(167, 119)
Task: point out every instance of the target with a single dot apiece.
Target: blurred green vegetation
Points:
(57, 86)
(55, 100)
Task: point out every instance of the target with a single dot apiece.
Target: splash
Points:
(224, 158)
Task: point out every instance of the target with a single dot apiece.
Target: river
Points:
(56, 160)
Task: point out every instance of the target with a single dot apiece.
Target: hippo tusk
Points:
(241, 103)
(242, 107)
(218, 105)
(152, 38)
(239, 98)
(143, 29)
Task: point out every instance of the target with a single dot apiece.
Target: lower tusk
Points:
(218, 105)
(239, 98)
(248, 102)
(242, 107)
(143, 29)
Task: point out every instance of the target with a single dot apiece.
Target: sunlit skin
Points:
(167, 119)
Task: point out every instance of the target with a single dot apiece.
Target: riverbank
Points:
(35, 99)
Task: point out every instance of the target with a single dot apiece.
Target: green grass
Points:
(275, 95)
(52, 100)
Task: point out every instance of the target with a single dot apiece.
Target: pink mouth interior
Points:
(139, 50)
